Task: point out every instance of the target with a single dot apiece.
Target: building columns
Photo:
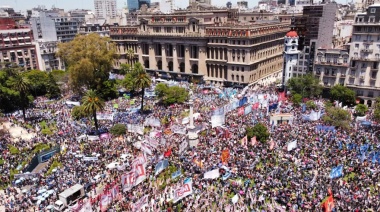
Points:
(152, 57)
(187, 59)
(163, 57)
(175, 58)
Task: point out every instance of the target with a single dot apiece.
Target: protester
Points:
(250, 175)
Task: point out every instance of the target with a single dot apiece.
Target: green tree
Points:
(361, 109)
(89, 59)
(260, 131)
(128, 83)
(22, 85)
(52, 88)
(342, 94)
(78, 112)
(130, 55)
(171, 95)
(376, 111)
(337, 117)
(125, 68)
(38, 82)
(297, 99)
(91, 104)
(161, 89)
(306, 85)
(311, 105)
(60, 76)
(141, 81)
(118, 129)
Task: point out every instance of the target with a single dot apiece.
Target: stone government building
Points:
(204, 45)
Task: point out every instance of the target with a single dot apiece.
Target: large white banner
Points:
(146, 148)
(136, 128)
(183, 191)
(73, 103)
(104, 116)
(154, 122)
(128, 180)
(140, 204)
(139, 169)
(292, 145)
(217, 120)
(213, 174)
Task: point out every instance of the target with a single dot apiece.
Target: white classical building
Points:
(105, 9)
(290, 56)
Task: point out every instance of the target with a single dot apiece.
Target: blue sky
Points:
(89, 4)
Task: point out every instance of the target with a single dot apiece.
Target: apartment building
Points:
(365, 55)
(208, 45)
(331, 66)
(105, 9)
(17, 46)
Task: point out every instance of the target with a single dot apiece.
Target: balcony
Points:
(369, 42)
(342, 75)
(367, 50)
(364, 58)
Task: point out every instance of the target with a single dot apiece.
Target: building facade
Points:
(203, 44)
(331, 66)
(17, 46)
(365, 55)
(315, 29)
(105, 9)
(134, 5)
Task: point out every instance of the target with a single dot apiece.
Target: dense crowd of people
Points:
(263, 175)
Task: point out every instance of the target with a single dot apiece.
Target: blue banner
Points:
(336, 172)
(243, 101)
(247, 109)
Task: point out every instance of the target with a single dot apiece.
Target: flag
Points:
(336, 172)
(244, 141)
(225, 156)
(255, 106)
(213, 174)
(160, 166)
(105, 200)
(176, 174)
(253, 141)
(168, 153)
(139, 170)
(328, 205)
(87, 207)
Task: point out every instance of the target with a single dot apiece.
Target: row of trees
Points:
(307, 86)
(18, 88)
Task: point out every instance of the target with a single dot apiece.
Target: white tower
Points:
(290, 55)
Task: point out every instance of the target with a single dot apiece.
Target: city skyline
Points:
(20, 5)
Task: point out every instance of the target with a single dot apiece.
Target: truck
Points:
(69, 197)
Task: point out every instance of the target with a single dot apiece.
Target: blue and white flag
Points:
(187, 180)
(336, 172)
(160, 166)
(176, 174)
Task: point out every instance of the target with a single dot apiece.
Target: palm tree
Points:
(91, 104)
(141, 81)
(22, 84)
(130, 54)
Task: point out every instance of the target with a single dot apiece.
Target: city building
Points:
(242, 4)
(203, 45)
(200, 1)
(315, 29)
(134, 5)
(363, 74)
(17, 47)
(290, 56)
(105, 8)
(103, 31)
(49, 28)
(331, 66)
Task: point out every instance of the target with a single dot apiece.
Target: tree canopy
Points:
(118, 129)
(171, 94)
(141, 80)
(89, 59)
(342, 94)
(337, 117)
(306, 85)
(297, 99)
(361, 109)
(376, 111)
(260, 131)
